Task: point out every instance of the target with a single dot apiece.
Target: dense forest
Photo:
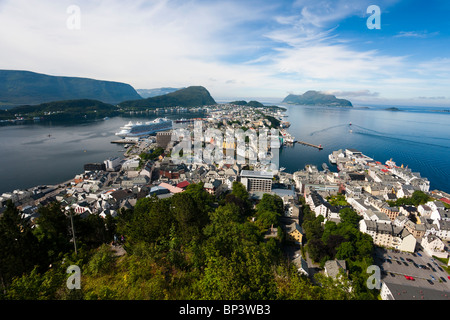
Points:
(188, 246)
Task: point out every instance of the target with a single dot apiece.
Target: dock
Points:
(124, 141)
(310, 145)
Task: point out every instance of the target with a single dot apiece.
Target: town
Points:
(408, 223)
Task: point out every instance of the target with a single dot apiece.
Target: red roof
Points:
(183, 184)
(445, 200)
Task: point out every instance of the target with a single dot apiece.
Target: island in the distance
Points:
(316, 98)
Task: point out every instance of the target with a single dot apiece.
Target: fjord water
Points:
(417, 138)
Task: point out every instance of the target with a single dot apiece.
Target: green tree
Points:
(190, 216)
(269, 210)
(19, 248)
(53, 230)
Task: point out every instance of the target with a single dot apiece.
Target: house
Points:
(443, 230)
(388, 235)
(424, 210)
(417, 230)
(301, 265)
(376, 216)
(294, 233)
(334, 267)
(212, 186)
(405, 191)
(408, 210)
(434, 246)
(183, 184)
(172, 189)
(440, 214)
(171, 170)
(408, 243)
(132, 164)
(121, 195)
(392, 212)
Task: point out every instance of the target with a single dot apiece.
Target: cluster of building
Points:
(369, 186)
(105, 188)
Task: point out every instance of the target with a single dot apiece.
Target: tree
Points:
(53, 230)
(189, 214)
(349, 216)
(345, 251)
(19, 248)
(269, 210)
(150, 221)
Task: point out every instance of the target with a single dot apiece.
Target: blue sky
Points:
(240, 49)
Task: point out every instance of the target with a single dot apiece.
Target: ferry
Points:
(141, 129)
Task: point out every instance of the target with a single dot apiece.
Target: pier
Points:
(123, 141)
(310, 145)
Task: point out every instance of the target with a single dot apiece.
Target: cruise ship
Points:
(140, 129)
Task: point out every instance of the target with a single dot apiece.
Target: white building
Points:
(434, 246)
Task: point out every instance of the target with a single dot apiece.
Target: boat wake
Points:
(373, 133)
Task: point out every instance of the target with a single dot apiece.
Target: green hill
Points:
(64, 110)
(24, 87)
(189, 97)
(316, 98)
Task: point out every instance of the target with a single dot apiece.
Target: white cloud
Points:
(231, 47)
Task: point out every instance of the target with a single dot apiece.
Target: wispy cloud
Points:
(232, 47)
(415, 34)
(349, 94)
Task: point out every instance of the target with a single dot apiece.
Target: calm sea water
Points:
(419, 139)
(416, 138)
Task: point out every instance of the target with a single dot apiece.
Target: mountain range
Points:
(316, 98)
(30, 88)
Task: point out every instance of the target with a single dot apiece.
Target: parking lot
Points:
(408, 269)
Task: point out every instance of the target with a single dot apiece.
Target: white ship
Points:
(140, 129)
(332, 158)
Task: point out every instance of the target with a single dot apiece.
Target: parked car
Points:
(429, 281)
(432, 277)
(419, 254)
(443, 279)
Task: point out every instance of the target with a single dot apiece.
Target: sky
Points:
(247, 49)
